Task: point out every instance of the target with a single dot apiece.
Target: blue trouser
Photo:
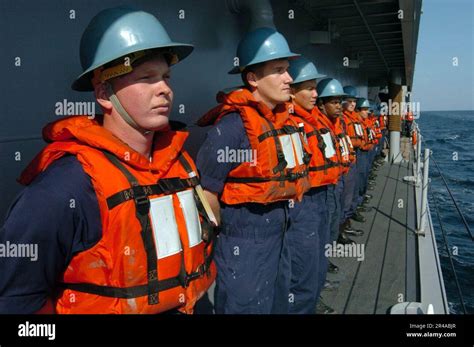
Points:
(333, 203)
(371, 157)
(308, 224)
(350, 182)
(362, 164)
(247, 257)
(356, 197)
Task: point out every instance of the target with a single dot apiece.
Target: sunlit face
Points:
(272, 82)
(145, 93)
(333, 107)
(305, 94)
(364, 112)
(349, 104)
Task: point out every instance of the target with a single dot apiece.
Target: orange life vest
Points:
(376, 127)
(151, 256)
(358, 128)
(324, 167)
(369, 135)
(281, 171)
(344, 121)
(354, 128)
(335, 130)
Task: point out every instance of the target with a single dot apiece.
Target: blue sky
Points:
(446, 31)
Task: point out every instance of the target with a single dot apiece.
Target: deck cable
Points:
(446, 244)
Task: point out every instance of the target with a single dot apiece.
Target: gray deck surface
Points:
(388, 274)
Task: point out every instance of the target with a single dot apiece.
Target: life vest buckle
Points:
(142, 202)
(185, 279)
(289, 129)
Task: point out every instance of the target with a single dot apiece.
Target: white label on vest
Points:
(358, 129)
(287, 147)
(165, 229)
(344, 150)
(371, 135)
(191, 216)
(298, 147)
(329, 151)
(349, 141)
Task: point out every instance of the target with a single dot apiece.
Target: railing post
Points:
(418, 153)
(423, 218)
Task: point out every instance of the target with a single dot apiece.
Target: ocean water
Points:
(450, 135)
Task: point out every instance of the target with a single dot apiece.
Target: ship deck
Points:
(388, 273)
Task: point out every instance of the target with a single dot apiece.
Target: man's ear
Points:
(252, 79)
(102, 97)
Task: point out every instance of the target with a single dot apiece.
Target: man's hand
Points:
(214, 203)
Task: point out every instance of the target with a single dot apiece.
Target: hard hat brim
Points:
(83, 81)
(314, 77)
(332, 96)
(239, 69)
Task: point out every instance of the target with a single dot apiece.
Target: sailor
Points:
(253, 197)
(308, 229)
(362, 107)
(350, 196)
(112, 200)
(408, 121)
(329, 112)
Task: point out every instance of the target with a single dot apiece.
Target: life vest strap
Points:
(293, 176)
(315, 132)
(182, 280)
(163, 186)
(122, 292)
(285, 130)
(142, 207)
(282, 163)
(326, 166)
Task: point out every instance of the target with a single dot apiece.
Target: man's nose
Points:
(163, 88)
(287, 78)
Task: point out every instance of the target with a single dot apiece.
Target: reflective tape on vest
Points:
(292, 149)
(295, 138)
(344, 149)
(371, 135)
(329, 150)
(349, 141)
(165, 229)
(359, 130)
(191, 216)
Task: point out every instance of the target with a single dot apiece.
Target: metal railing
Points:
(422, 178)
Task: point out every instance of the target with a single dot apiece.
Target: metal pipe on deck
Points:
(394, 124)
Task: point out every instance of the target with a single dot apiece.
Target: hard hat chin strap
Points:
(121, 110)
